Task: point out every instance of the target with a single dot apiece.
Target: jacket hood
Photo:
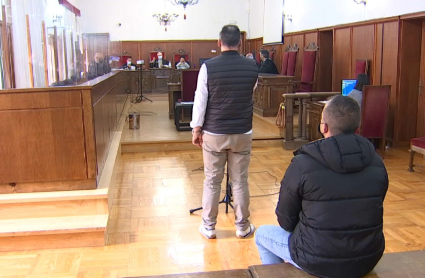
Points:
(343, 153)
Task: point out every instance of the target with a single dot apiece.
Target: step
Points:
(53, 232)
(53, 204)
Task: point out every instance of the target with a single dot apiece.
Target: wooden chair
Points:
(375, 105)
(308, 68)
(417, 145)
(361, 67)
(180, 53)
(154, 54)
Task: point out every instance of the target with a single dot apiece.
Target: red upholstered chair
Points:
(189, 80)
(180, 53)
(417, 145)
(154, 54)
(284, 68)
(375, 105)
(272, 52)
(292, 60)
(308, 68)
(257, 57)
(361, 67)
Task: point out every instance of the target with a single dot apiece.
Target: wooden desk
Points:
(174, 93)
(268, 94)
(314, 109)
(161, 77)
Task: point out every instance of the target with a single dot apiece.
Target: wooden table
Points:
(174, 93)
(314, 109)
(268, 94)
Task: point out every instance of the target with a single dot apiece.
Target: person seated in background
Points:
(182, 64)
(267, 65)
(330, 207)
(251, 56)
(129, 64)
(97, 67)
(160, 63)
(357, 92)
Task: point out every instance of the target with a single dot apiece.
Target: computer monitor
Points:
(202, 60)
(347, 86)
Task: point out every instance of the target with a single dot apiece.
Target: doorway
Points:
(324, 73)
(420, 126)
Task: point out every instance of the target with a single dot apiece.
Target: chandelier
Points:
(165, 19)
(184, 3)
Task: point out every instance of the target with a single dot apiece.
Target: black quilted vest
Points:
(231, 79)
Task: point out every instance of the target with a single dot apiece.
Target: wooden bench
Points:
(237, 273)
(405, 264)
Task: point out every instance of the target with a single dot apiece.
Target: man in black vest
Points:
(222, 126)
(330, 208)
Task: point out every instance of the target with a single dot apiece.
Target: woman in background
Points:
(357, 92)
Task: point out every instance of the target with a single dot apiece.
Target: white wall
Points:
(204, 20)
(312, 14)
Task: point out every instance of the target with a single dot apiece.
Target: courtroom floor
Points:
(151, 230)
(157, 127)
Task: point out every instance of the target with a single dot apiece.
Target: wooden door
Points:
(420, 128)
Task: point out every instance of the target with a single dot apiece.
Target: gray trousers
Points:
(235, 149)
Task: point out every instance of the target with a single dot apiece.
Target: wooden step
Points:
(53, 232)
(53, 204)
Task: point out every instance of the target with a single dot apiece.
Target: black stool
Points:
(179, 106)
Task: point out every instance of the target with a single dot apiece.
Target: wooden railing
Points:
(291, 142)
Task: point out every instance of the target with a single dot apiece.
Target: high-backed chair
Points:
(308, 68)
(361, 67)
(375, 105)
(154, 54)
(189, 80)
(180, 53)
(417, 145)
(289, 60)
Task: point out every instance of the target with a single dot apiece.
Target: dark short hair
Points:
(265, 53)
(230, 35)
(362, 80)
(342, 115)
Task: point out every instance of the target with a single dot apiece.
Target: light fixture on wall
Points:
(288, 17)
(360, 2)
(184, 3)
(165, 19)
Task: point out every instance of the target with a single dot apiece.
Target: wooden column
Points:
(46, 69)
(55, 54)
(6, 53)
(65, 55)
(30, 52)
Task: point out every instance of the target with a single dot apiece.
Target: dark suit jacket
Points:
(268, 67)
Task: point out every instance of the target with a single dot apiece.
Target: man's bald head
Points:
(341, 115)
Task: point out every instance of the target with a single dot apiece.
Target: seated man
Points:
(330, 208)
(129, 65)
(267, 65)
(182, 64)
(97, 67)
(160, 63)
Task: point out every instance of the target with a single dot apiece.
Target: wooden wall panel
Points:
(174, 47)
(202, 49)
(324, 67)
(310, 37)
(341, 66)
(376, 74)
(35, 148)
(362, 47)
(390, 68)
(407, 99)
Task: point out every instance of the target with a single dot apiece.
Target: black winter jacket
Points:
(331, 199)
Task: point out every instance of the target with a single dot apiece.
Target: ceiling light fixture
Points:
(165, 19)
(360, 2)
(184, 3)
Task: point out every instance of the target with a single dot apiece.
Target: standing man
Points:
(222, 126)
(267, 65)
(330, 208)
